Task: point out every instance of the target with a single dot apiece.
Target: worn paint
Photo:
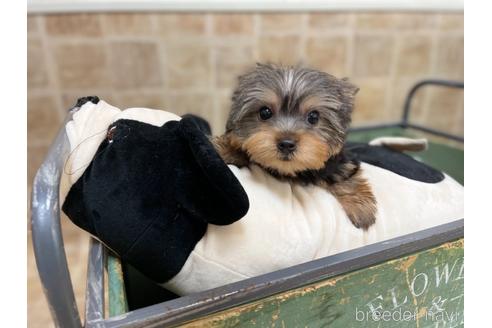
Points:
(420, 290)
(405, 264)
(117, 296)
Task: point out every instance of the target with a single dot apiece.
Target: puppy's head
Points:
(290, 119)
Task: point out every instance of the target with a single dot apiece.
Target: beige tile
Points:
(401, 87)
(370, 102)
(450, 22)
(134, 65)
(459, 125)
(232, 24)
(37, 75)
(280, 23)
(231, 61)
(73, 25)
(81, 65)
(32, 24)
(155, 100)
(35, 156)
(69, 99)
(43, 120)
(127, 24)
(443, 109)
(192, 102)
(222, 110)
(375, 21)
(373, 55)
(450, 58)
(328, 21)
(280, 49)
(415, 21)
(414, 55)
(328, 54)
(181, 25)
(388, 21)
(188, 66)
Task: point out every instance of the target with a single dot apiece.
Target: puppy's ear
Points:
(347, 92)
(347, 87)
(259, 66)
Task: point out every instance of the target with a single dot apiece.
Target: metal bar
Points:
(435, 132)
(47, 237)
(94, 300)
(190, 307)
(407, 126)
(374, 127)
(416, 87)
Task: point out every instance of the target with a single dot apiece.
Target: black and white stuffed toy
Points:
(151, 187)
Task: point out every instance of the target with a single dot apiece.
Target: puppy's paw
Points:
(362, 216)
(358, 201)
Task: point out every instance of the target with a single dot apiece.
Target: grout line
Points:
(350, 61)
(106, 46)
(51, 68)
(212, 62)
(35, 19)
(391, 79)
(163, 61)
(426, 102)
(39, 143)
(256, 37)
(246, 38)
(303, 39)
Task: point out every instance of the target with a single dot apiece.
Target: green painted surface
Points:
(421, 290)
(443, 157)
(116, 287)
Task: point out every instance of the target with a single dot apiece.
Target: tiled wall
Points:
(188, 62)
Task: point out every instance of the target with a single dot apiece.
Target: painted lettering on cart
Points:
(433, 297)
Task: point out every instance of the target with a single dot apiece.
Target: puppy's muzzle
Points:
(286, 146)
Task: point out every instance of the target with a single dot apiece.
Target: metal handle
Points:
(48, 246)
(408, 101)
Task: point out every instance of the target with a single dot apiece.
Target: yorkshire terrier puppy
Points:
(292, 122)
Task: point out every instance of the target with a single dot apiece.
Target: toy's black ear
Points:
(213, 192)
(200, 122)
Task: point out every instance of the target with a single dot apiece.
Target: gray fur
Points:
(292, 85)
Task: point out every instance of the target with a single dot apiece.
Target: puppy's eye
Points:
(265, 113)
(313, 117)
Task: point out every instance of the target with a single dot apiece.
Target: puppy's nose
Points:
(286, 146)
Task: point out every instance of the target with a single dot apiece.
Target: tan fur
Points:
(311, 153)
(229, 148)
(356, 197)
